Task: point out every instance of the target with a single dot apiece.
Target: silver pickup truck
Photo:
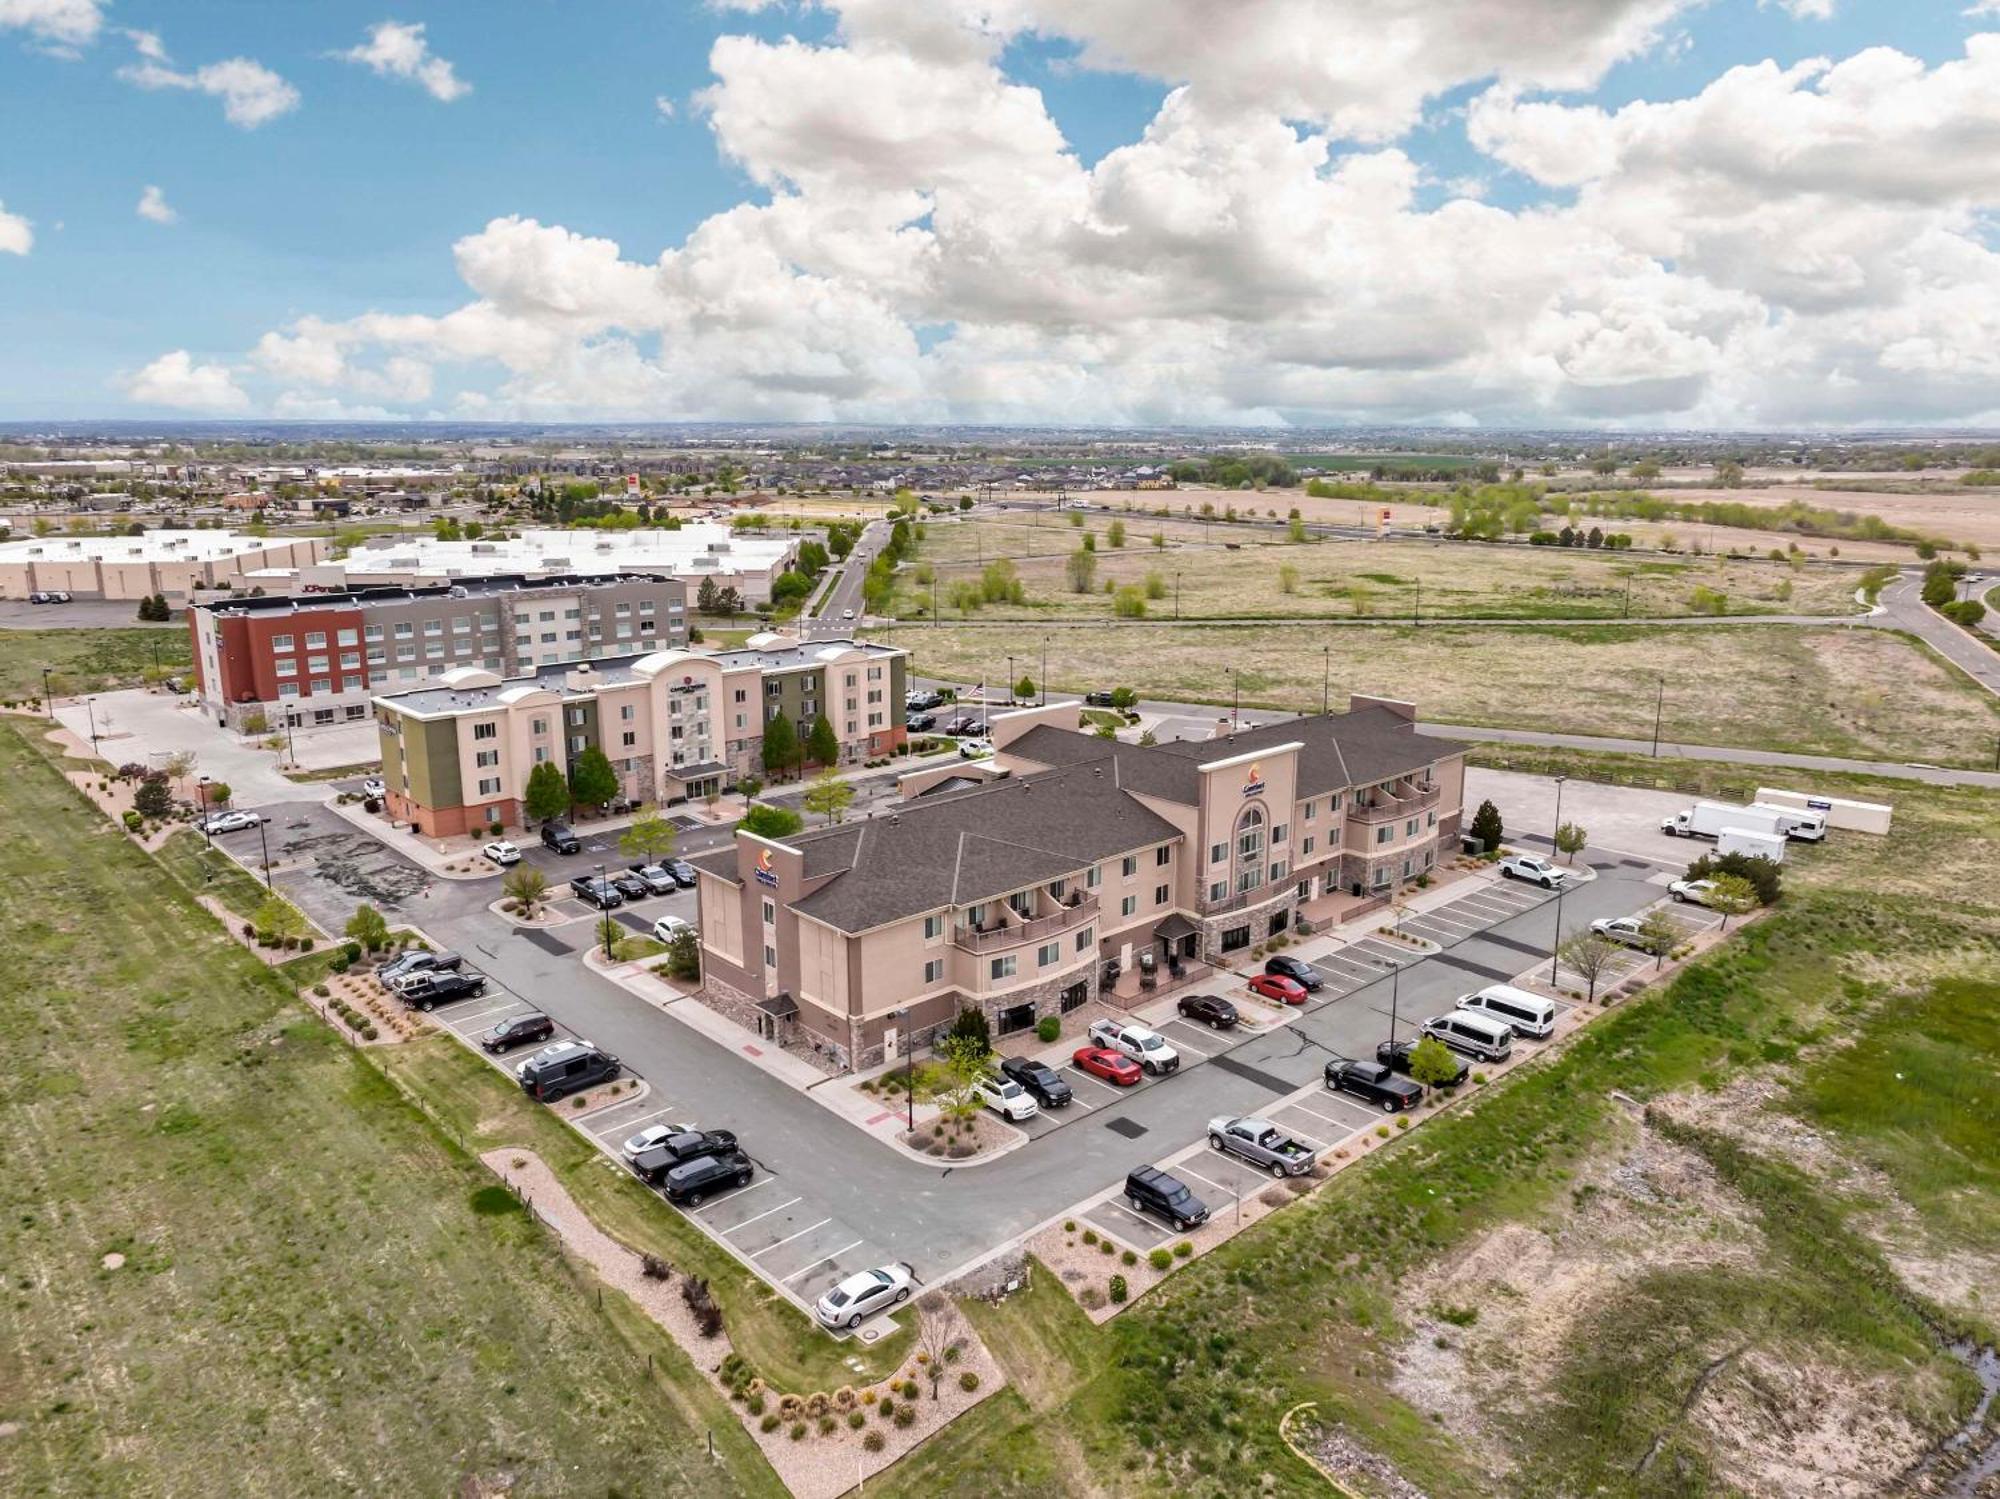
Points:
(1261, 1143)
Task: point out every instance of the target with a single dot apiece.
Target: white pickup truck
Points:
(1261, 1143)
(1148, 1048)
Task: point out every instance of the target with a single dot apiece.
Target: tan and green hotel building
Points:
(676, 725)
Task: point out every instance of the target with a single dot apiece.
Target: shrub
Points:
(1160, 1259)
(887, 1408)
(1090, 1236)
(1129, 1257)
(321, 990)
(769, 1423)
(968, 1381)
(826, 1425)
(906, 1415)
(798, 1431)
(133, 822)
(856, 1419)
(909, 1389)
(1118, 1290)
(754, 1405)
(1105, 1246)
(874, 1441)
(1402, 1121)
(1048, 1028)
(1069, 1225)
(1183, 1249)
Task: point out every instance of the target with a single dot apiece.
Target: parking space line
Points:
(1114, 1092)
(823, 1259)
(638, 1120)
(726, 1232)
(1323, 1118)
(1180, 1045)
(507, 1003)
(1207, 1181)
(783, 1242)
(1125, 1212)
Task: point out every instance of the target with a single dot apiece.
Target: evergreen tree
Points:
(781, 744)
(822, 745)
(1486, 825)
(592, 782)
(547, 795)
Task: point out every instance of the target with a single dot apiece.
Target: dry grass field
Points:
(1852, 692)
(1962, 514)
(1355, 579)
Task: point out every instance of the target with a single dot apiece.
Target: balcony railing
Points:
(1259, 896)
(1015, 932)
(1386, 808)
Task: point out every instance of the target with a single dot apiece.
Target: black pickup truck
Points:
(434, 987)
(1374, 1083)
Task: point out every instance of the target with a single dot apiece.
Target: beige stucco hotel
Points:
(1010, 895)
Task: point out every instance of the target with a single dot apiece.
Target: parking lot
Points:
(787, 1233)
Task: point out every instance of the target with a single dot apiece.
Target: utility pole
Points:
(48, 697)
(1045, 673)
(201, 787)
(1236, 705)
(1177, 593)
(264, 847)
(1326, 680)
(1659, 707)
(1555, 942)
(1418, 617)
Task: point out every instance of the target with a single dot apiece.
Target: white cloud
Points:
(62, 25)
(16, 235)
(1786, 246)
(251, 93)
(1801, 10)
(664, 107)
(1982, 8)
(148, 45)
(398, 50)
(153, 206)
(176, 380)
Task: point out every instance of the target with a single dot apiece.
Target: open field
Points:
(238, 1261)
(1681, 1258)
(1962, 514)
(1359, 579)
(1848, 691)
(85, 660)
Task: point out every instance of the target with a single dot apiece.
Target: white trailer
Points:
(1849, 816)
(1753, 843)
(1708, 819)
(1799, 826)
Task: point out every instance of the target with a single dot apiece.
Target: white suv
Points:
(1148, 1048)
(1006, 1098)
(1536, 871)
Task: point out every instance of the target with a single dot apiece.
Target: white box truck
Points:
(1800, 827)
(1752, 843)
(1848, 816)
(1708, 819)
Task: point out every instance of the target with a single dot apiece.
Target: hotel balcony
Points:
(1385, 806)
(1011, 930)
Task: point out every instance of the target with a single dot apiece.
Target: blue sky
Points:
(350, 202)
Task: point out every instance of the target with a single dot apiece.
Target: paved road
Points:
(936, 1217)
(1904, 609)
(845, 592)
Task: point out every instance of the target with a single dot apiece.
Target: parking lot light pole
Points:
(264, 847)
(1659, 707)
(48, 697)
(1326, 680)
(909, 1069)
(201, 786)
(1044, 698)
(90, 707)
(1555, 942)
(603, 916)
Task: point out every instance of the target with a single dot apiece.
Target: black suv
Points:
(1097, 699)
(1210, 1009)
(1299, 972)
(600, 893)
(689, 1182)
(1151, 1190)
(519, 1031)
(441, 986)
(1374, 1083)
(1395, 1055)
(556, 835)
(683, 873)
(1042, 1083)
(653, 1164)
(565, 1068)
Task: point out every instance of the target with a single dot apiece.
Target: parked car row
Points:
(49, 596)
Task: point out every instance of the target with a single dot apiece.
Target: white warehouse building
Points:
(174, 563)
(749, 564)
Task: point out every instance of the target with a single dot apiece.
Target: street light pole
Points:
(603, 916)
(1555, 942)
(90, 707)
(1010, 681)
(1177, 593)
(48, 697)
(1045, 673)
(1418, 617)
(1236, 706)
(201, 788)
(909, 1072)
(1326, 680)
(264, 847)
(1660, 707)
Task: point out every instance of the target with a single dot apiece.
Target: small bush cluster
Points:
(702, 1303)
(352, 1018)
(1118, 1290)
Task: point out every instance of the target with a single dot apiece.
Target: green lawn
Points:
(86, 660)
(318, 1293)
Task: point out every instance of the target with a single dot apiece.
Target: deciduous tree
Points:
(650, 838)
(547, 794)
(592, 781)
(829, 796)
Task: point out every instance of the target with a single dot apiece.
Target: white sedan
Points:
(1535, 871)
(669, 927)
(229, 822)
(863, 1294)
(1691, 890)
(650, 1136)
(501, 852)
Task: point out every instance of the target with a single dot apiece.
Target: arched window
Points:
(1249, 849)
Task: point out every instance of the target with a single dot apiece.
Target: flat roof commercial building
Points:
(676, 725)
(174, 563)
(866, 937)
(321, 658)
(694, 552)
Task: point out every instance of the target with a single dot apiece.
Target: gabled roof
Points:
(968, 846)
